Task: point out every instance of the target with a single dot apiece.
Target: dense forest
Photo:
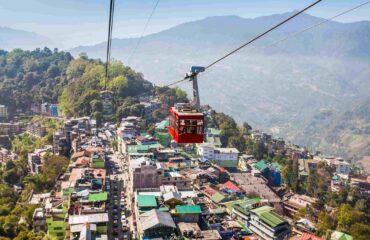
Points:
(42, 75)
(28, 77)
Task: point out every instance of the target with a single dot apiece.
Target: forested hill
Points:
(38, 76)
(32, 77)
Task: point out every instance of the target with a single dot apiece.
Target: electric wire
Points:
(316, 25)
(109, 42)
(262, 34)
(274, 43)
(143, 32)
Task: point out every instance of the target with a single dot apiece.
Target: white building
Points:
(268, 225)
(206, 151)
(340, 165)
(225, 157)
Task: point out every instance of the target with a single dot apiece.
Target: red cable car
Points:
(186, 121)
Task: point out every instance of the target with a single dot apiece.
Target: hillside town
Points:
(125, 183)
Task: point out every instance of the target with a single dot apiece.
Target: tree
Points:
(360, 231)
(348, 216)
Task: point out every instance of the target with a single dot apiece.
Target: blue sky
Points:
(80, 22)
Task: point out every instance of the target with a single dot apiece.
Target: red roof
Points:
(230, 185)
(83, 161)
(309, 236)
(209, 191)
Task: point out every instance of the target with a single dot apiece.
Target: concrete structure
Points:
(224, 157)
(36, 129)
(7, 155)
(267, 224)
(39, 220)
(3, 112)
(11, 128)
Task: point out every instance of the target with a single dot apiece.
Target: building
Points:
(6, 155)
(294, 202)
(268, 225)
(10, 128)
(3, 112)
(340, 165)
(36, 129)
(156, 224)
(39, 220)
(145, 174)
(206, 151)
(224, 157)
(54, 110)
(187, 213)
(61, 145)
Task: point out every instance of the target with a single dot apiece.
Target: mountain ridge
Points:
(278, 89)
(11, 38)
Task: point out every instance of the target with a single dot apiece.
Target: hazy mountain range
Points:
(299, 89)
(283, 88)
(12, 38)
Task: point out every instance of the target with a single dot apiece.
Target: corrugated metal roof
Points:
(218, 197)
(90, 218)
(267, 215)
(155, 218)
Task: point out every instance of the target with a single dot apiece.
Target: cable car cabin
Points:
(186, 125)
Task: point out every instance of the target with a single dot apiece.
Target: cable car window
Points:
(182, 122)
(199, 130)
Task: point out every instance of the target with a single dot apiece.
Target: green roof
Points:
(268, 216)
(277, 166)
(142, 148)
(162, 125)
(98, 197)
(146, 201)
(137, 148)
(218, 197)
(341, 236)
(188, 209)
(164, 209)
(261, 165)
(226, 163)
(335, 177)
(214, 131)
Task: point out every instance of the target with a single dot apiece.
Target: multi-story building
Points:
(35, 159)
(224, 157)
(340, 165)
(6, 155)
(11, 128)
(61, 146)
(206, 151)
(36, 129)
(39, 220)
(3, 112)
(146, 174)
(267, 224)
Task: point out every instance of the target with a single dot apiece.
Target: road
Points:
(121, 173)
(115, 209)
